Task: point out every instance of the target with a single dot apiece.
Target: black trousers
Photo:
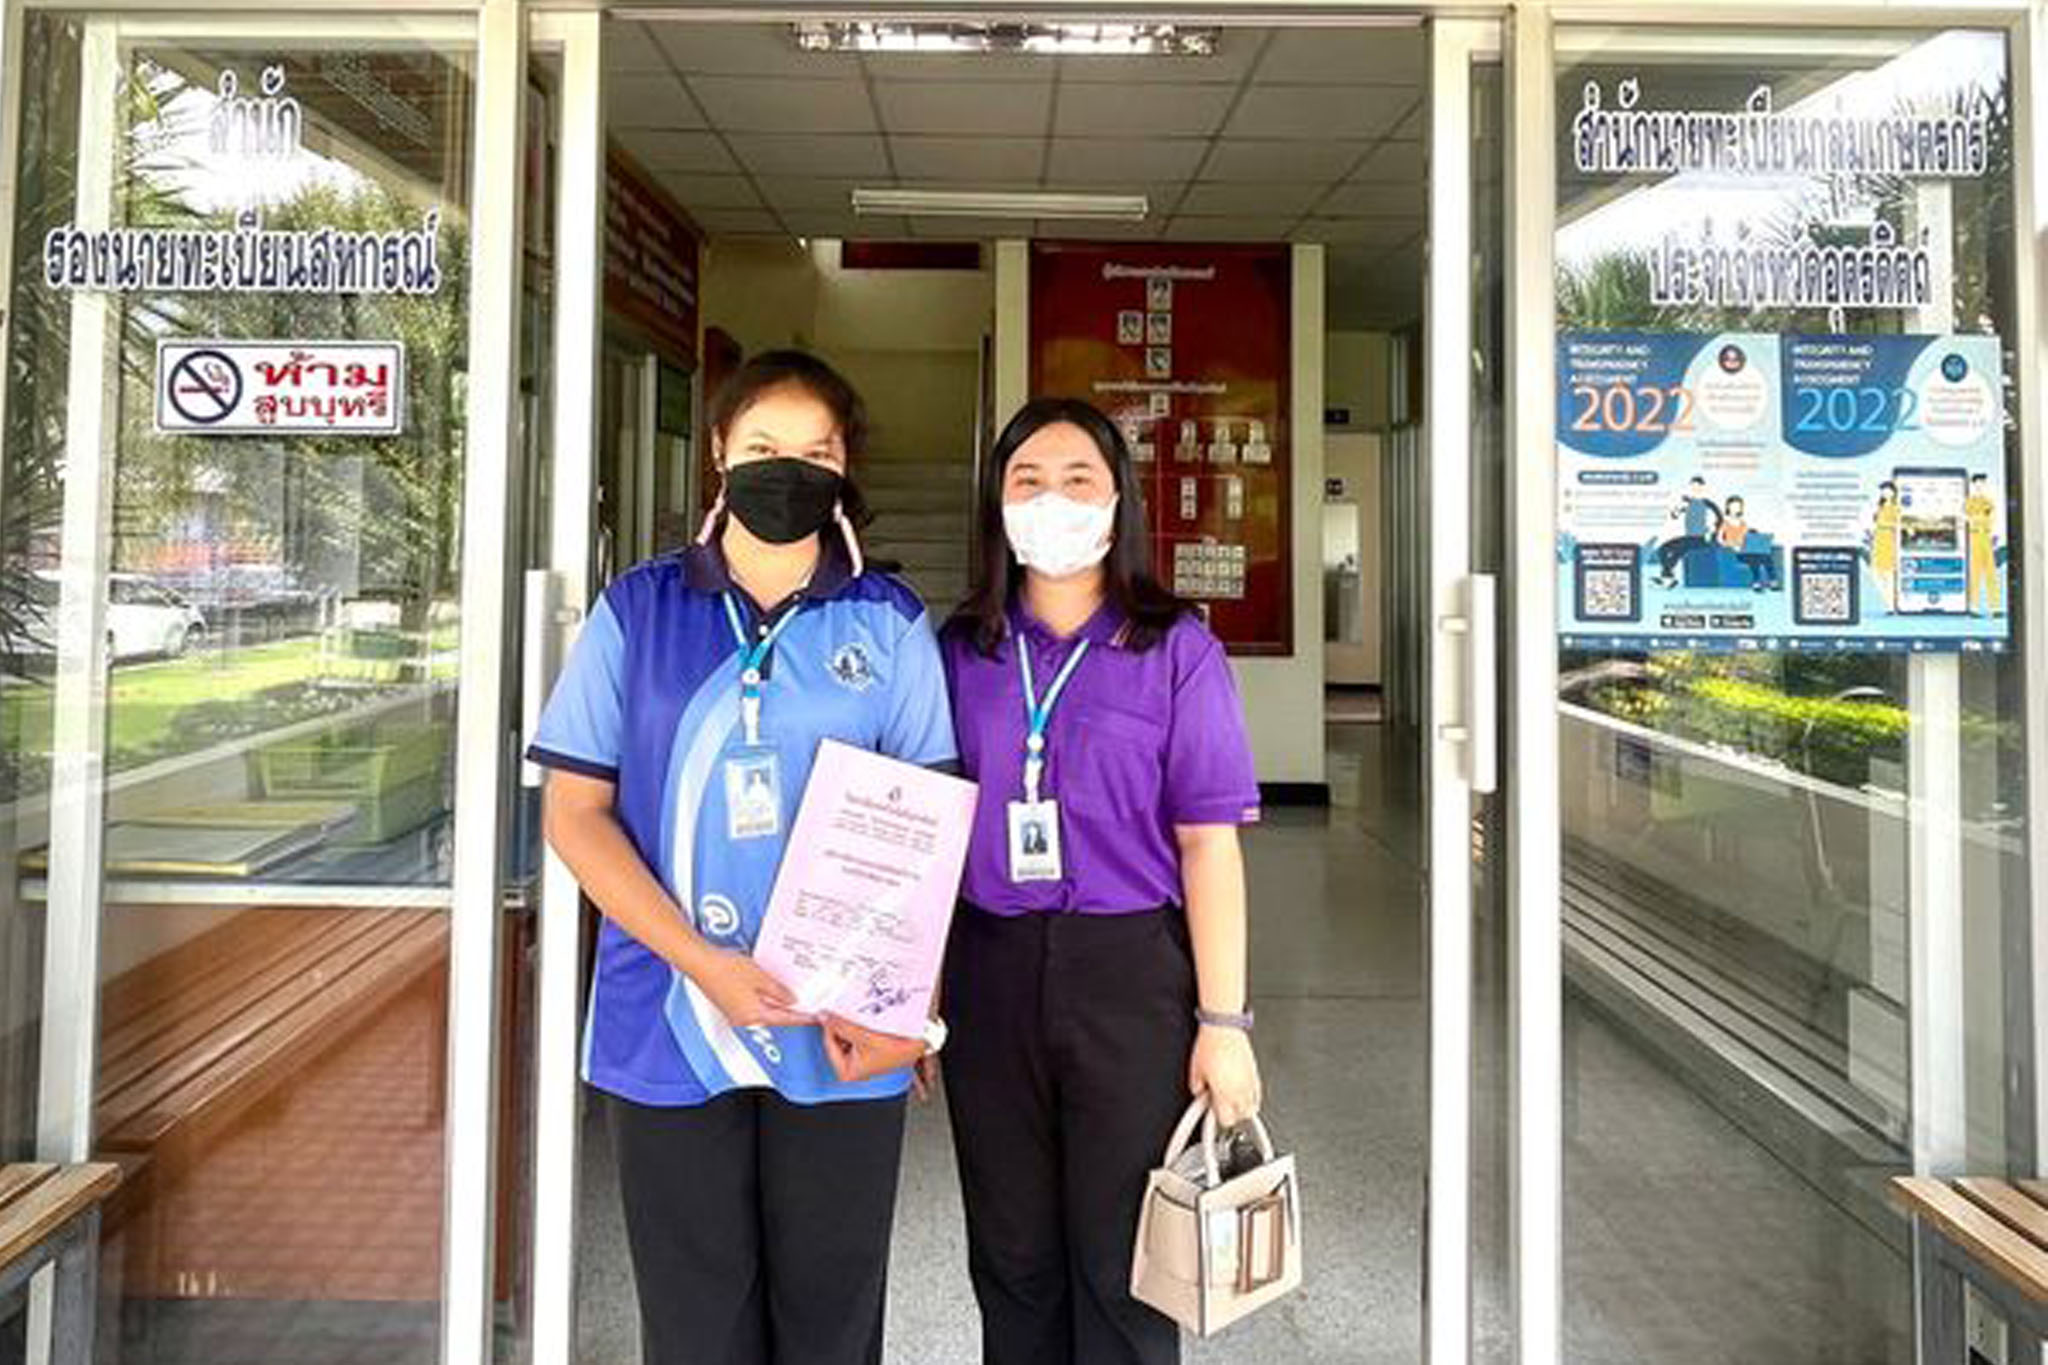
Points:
(759, 1228)
(1066, 1073)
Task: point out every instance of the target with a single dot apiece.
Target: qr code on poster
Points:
(1607, 595)
(1825, 598)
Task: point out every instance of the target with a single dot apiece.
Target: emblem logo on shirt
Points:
(851, 668)
(764, 1039)
(719, 917)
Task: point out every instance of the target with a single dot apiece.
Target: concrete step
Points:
(884, 478)
(951, 557)
(897, 523)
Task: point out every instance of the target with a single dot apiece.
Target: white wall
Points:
(1354, 457)
(1013, 328)
(764, 292)
(909, 340)
(1355, 378)
(899, 310)
(1284, 697)
(779, 293)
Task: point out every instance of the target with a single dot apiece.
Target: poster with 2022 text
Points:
(1781, 492)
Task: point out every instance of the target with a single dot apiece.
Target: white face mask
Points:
(1058, 536)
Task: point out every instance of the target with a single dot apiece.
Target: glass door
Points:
(1794, 367)
(1464, 365)
(259, 379)
(566, 569)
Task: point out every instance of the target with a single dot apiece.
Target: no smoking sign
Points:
(259, 388)
(203, 387)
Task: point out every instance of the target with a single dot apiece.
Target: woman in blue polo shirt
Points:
(757, 1150)
(1096, 972)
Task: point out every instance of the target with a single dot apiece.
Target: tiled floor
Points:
(1685, 1243)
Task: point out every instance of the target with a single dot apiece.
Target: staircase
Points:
(924, 520)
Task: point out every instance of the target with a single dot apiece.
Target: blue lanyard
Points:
(752, 655)
(1037, 713)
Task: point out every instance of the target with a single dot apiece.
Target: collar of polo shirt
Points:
(1106, 627)
(705, 570)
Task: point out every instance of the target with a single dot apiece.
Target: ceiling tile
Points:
(630, 47)
(768, 104)
(812, 193)
(1145, 110)
(1231, 200)
(735, 221)
(967, 158)
(743, 50)
(1018, 110)
(821, 195)
(1063, 230)
(1319, 111)
(1247, 161)
(877, 228)
(1364, 232)
(1233, 229)
(1117, 160)
(1236, 50)
(1345, 56)
(696, 192)
(825, 223)
(1387, 199)
(1392, 162)
(959, 67)
(772, 154)
(969, 229)
(698, 153)
(648, 101)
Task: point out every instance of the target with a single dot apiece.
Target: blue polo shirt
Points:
(650, 700)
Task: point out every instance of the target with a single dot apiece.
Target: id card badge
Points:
(753, 795)
(1035, 841)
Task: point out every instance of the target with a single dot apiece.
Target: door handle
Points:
(1482, 682)
(536, 662)
(1478, 729)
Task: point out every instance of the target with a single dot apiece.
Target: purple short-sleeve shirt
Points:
(1139, 742)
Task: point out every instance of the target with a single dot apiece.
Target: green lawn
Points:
(157, 709)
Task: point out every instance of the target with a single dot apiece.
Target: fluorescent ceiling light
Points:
(1122, 208)
(1074, 40)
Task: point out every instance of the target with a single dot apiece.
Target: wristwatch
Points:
(1224, 1019)
(934, 1036)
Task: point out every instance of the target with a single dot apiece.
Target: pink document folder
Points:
(857, 922)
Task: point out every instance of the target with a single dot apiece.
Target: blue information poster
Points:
(1759, 491)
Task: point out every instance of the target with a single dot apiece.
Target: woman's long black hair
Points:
(1147, 607)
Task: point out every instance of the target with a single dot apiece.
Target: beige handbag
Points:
(1212, 1250)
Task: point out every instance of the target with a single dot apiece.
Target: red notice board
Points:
(650, 260)
(1186, 348)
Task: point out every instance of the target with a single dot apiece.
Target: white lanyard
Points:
(752, 655)
(1037, 713)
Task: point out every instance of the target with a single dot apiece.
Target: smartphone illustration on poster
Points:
(1933, 563)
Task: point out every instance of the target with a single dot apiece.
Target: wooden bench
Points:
(1991, 1233)
(50, 1216)
(187, 1046)
(197, 1040)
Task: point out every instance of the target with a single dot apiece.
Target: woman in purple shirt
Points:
(1096, 976)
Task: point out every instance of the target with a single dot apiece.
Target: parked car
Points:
(143, 618)
(247, 601)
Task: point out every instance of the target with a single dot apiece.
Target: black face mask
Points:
(782, 500)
